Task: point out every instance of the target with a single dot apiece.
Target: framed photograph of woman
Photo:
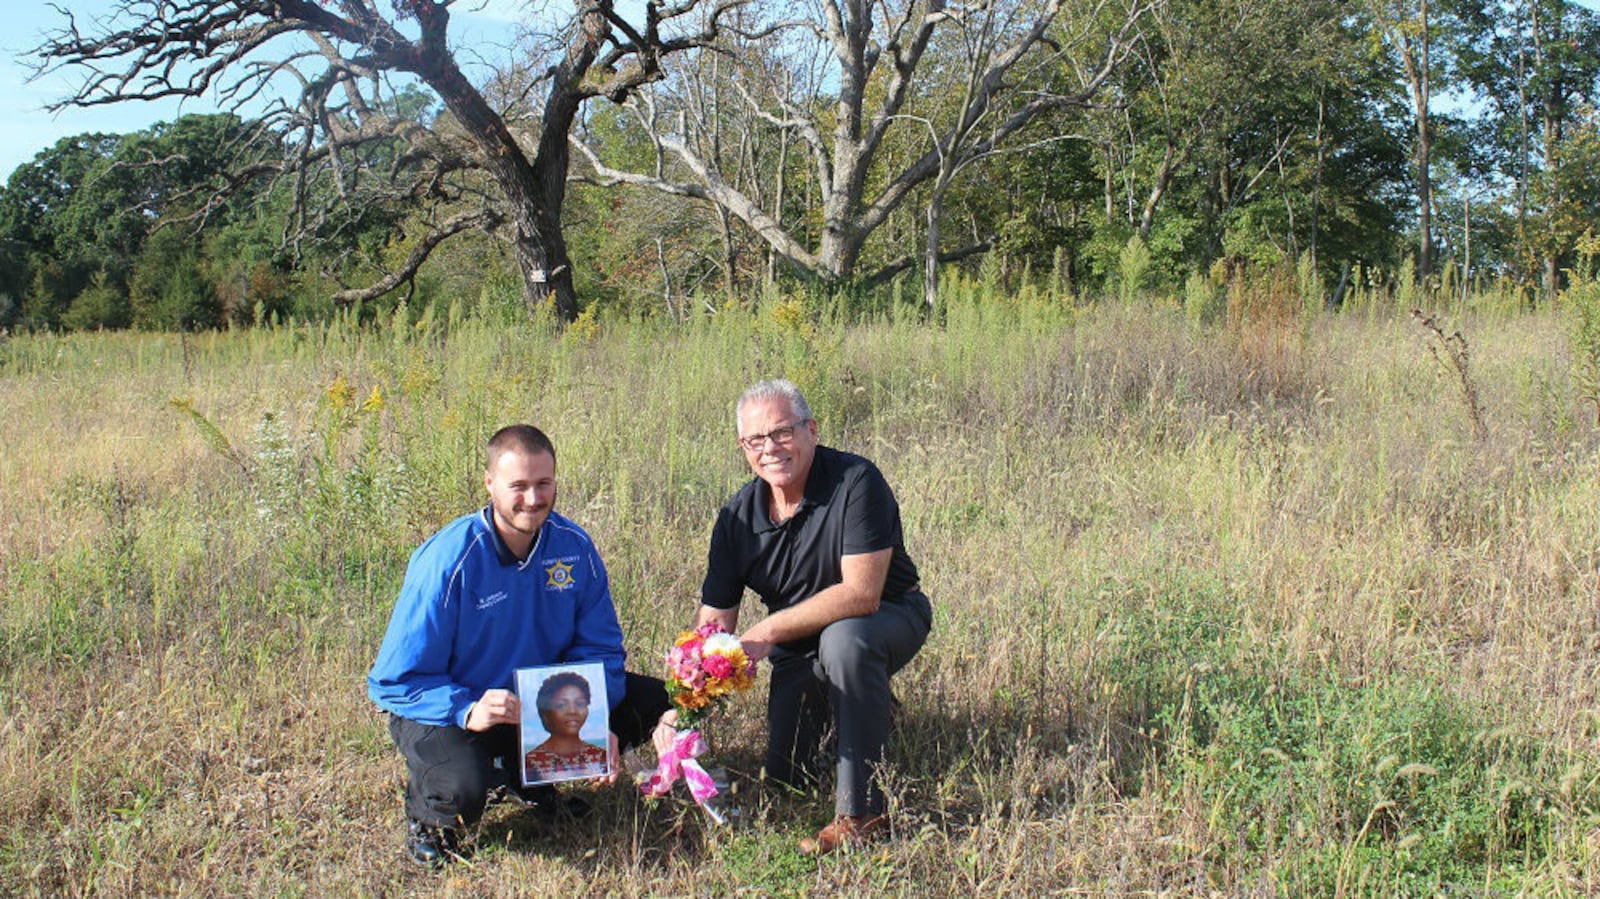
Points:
(565, 736)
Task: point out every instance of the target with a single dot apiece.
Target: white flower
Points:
(721, 644)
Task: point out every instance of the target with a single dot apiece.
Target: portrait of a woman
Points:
(563, 705)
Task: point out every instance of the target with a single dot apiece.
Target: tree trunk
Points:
(1163, 178)
(534, 191)
(1422, 88)
(1552, 105)
(1321, 165)
(537, 241)
(1413, 53)
(730, 253)
(777, 200)
(930, 259)
(1524, 142)
(1110, 186)
(547, 271)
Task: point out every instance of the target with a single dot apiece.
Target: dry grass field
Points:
(1243, 607)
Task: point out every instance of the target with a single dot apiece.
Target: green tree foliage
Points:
(1568, 193)
(1255, 132)
(78, 216)
(49, 225)
(1534, 68)
(101, 304)
(167, 290)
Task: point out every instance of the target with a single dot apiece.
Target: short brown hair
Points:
(525, 439)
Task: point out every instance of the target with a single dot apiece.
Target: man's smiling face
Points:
(778, 443)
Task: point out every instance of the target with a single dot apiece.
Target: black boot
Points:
(431, 846)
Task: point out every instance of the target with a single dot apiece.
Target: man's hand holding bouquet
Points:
(705, 667)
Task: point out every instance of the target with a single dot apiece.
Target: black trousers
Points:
(843, 684)
(452, 770)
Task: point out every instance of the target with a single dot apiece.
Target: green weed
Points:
(1219, 609)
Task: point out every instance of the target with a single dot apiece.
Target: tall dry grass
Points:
(1229, 608)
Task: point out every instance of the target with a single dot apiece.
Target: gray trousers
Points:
(844, 683)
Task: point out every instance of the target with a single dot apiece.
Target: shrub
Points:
(1134, 266)
(100, 305)
(1203, 300)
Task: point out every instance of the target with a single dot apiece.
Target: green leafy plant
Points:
(1581, 305)
(1134, 268)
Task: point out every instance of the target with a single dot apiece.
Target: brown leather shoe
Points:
(845, 830)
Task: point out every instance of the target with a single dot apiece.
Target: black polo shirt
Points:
(847, 509)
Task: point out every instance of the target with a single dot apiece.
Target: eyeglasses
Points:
(779, 437)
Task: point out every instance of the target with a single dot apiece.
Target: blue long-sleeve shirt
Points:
(470, 614)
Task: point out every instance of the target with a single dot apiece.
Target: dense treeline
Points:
(1412, 141)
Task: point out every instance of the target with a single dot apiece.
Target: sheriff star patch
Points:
(560, 576)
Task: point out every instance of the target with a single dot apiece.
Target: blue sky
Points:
(26, 128)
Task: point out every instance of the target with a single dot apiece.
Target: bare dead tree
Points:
(345, 145)
(837, 83)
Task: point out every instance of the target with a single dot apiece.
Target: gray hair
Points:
(774, 389)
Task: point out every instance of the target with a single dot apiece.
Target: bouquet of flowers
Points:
(705, 666)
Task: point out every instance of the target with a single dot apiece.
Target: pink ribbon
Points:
(679, 761)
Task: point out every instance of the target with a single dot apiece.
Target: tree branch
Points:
(481, 220)
(888, 272)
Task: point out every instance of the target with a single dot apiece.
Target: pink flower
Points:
(719, 667)
(683, 661)
(706, 665)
